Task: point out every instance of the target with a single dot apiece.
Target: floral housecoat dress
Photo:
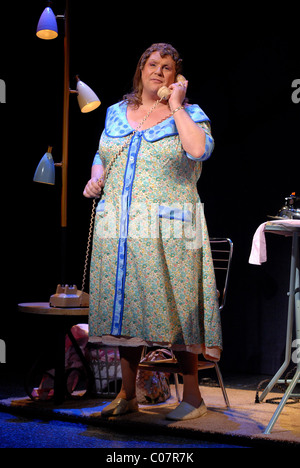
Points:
(151, 278)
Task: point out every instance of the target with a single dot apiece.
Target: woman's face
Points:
(157, 72)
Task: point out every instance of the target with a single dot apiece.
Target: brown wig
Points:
(135, 97)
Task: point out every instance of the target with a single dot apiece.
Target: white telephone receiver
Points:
(164, 92)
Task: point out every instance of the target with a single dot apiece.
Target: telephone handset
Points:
(164, 92)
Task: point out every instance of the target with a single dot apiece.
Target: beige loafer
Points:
(185, 411)
(120, 406)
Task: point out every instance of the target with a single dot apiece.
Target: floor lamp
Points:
(87, 100)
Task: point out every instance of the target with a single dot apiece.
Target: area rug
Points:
(244, 422)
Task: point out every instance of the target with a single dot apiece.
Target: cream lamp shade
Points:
(87, 99)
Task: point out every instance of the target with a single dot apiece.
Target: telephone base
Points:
(69, 296)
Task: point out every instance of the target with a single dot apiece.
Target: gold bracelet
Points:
(178, 108)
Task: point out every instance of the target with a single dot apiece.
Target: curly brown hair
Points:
(134, 98)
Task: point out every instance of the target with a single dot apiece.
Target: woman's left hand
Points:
(178, 94)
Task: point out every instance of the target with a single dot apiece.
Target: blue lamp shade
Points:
(87, 99)
(47, 25)
(45, 172)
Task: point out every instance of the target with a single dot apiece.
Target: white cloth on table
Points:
(258, 253)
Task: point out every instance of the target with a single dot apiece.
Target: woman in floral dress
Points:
(152, 279)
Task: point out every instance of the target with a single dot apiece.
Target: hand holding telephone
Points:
(164, 92)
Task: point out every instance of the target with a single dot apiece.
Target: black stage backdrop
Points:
(240, 63)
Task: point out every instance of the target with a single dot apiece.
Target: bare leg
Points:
(130, 359)
(189, 367)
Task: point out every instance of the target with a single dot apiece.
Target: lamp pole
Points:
(65, 143)
(88, 101)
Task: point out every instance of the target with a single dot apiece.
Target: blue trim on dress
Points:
(170, 212)
(101, 206)
(117, 126)
(129, 175)
(209, 146)
(97, 159)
